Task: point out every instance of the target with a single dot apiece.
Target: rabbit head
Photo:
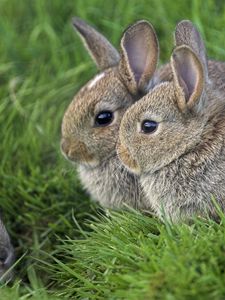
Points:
(170, 120)
(91, 123)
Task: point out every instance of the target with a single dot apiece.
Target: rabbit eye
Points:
(104, 118)
(148, 126)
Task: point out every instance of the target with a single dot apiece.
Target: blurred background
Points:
(42, 65)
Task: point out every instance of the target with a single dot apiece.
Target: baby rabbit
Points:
(6, 254)
(173, 138)
(91, 123)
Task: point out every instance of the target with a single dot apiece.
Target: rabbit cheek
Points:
(127, 159)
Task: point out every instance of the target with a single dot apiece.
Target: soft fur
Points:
(182, 164)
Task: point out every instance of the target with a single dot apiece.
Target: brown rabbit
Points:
(173, 138)
(91, 123)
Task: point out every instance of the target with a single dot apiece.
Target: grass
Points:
(131, 256)
(117, 256)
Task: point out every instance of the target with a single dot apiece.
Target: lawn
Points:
(66, 246)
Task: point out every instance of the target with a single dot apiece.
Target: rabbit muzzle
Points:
(76, 151)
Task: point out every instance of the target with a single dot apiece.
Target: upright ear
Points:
(188, 76)
(100, 49)
(187, 34)
(139, 56)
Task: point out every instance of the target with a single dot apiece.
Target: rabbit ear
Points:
(187, 34)
(139, 56)
(100, 49)
(188, 76)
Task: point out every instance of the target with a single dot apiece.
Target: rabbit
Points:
(173, 138)
(91, 123)
(6, 254)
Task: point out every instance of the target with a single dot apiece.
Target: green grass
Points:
(130, 256)
(123, 256)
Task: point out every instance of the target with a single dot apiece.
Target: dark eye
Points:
(148, 126)
(104, 118)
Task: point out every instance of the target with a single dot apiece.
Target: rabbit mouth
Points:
(127, 159)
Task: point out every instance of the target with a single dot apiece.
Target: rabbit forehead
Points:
(159, 101)
(93, 82)
(105, 87)
(161, 98)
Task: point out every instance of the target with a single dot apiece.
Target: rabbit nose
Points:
(70, 149)
(67, 148)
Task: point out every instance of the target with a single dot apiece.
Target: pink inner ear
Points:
(185, 89)
(187, 75)
(137, 54)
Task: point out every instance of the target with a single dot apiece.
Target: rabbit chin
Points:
(89, 164)
(127, 160)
